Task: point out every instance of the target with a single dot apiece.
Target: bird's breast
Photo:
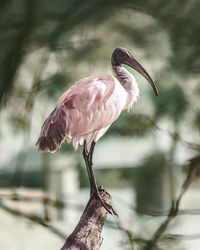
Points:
(125, 99)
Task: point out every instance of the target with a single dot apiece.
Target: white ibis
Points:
(88, 108)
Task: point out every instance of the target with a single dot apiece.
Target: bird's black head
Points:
(123, 56)
(119, 56)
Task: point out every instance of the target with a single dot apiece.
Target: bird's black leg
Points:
(88, 161)
(94, 188)
(86, 158)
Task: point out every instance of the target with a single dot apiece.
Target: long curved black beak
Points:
(130, 61)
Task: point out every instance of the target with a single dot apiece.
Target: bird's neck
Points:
(128, 81)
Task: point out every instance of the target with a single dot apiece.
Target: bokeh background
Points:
(147, 159)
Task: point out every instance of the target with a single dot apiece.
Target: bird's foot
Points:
(101, 189)
(97, 194)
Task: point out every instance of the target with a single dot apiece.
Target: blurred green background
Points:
(45, 46)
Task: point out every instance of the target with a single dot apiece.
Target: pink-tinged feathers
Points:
(84, 112)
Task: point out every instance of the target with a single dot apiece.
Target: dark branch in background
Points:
(142, 124)
(130, 238)
(173, 135)
(40, 221)
(182, 236)
(33, 218)
(59, 204)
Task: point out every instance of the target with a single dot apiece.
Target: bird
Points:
(86, 110)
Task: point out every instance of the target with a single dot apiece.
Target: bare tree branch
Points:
(87, 234)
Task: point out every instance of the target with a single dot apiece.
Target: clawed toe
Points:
(102, 190)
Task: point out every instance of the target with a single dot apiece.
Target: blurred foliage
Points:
(32, 24)
(152, 172)
(131, 125)
(55, 84)
(174, 103)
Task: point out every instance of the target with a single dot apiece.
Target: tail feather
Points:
(53, 132)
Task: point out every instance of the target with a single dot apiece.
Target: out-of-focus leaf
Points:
(150, 183)
(131, 125)
(18, 122)
(139, 36)
(171, 103)
(56, 83)
(12, 60)
(86, 50)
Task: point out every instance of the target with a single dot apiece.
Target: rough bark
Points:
(87, 234)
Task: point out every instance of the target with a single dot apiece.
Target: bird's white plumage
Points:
(98, 104)
(86, 110)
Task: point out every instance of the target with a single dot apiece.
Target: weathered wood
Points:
(87, 234)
